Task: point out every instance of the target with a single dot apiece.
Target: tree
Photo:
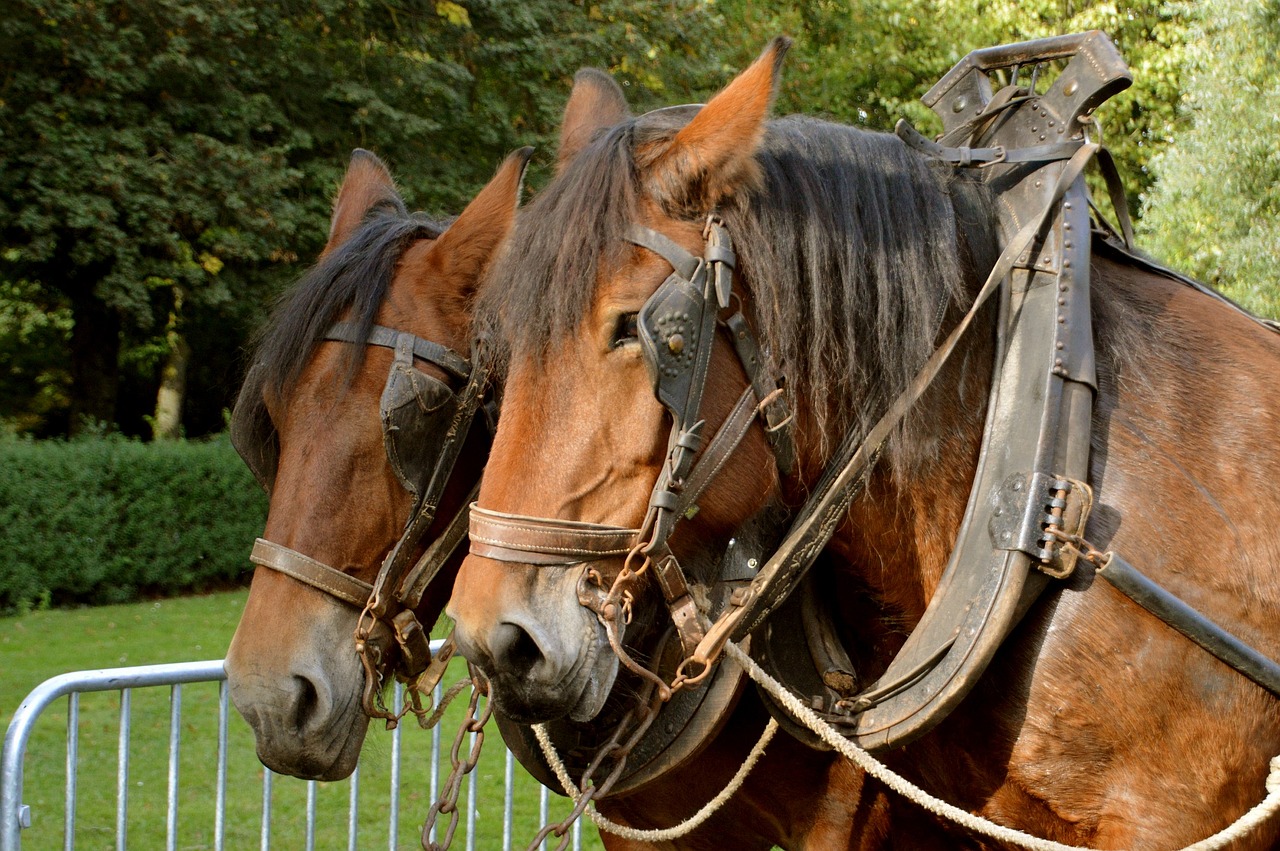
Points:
(1214, 211)
(168, 162)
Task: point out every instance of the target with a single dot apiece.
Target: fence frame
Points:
(15, 816)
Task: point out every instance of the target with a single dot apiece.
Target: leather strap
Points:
(380, 335)
(545, 541)
(311, 572)
(415, 582)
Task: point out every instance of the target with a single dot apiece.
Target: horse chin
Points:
(317, 760)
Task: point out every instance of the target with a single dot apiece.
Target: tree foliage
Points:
(168, 164)
(1214, 211)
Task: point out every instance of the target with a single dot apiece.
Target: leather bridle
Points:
(676, 328)
(425, 423)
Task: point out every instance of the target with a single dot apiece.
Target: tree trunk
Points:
(95, 363)
(167, 424)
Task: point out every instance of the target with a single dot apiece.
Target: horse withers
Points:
(852, 256)
(354, 383)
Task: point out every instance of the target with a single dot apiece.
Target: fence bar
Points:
(471, 798)
(311, 815)
(122, 774)
(220, 794)
(508, 781)
(175, 732)
(353, 811)
(393, 829)
(266, 809)
(73, 760)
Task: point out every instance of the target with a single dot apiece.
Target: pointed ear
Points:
(464, 250)
(715, 152)
(596, 102)
(366, 185)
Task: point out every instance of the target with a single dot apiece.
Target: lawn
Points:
(42, 644)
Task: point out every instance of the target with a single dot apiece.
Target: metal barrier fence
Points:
(16, 815)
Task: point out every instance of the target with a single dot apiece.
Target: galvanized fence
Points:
(391, 758)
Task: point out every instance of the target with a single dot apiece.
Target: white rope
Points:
(663, 834)
(1270, 804)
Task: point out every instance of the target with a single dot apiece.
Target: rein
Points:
(425, 424)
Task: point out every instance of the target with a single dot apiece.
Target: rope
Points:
(1254, 817)
(664, 834)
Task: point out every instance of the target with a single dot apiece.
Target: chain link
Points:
(448, 802)
(638, 719)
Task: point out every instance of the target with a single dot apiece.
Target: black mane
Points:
(853, 249)
(354, 276)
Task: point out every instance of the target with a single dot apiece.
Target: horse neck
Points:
(900, 531)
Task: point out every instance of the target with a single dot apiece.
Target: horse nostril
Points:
(306, 702)
(514, 649)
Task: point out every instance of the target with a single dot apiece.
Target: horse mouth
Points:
(579, 694)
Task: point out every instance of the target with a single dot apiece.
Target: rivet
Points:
(1066, 205)
(676, 344)
(1066, 243)
(1034, 129)
(1066, 225)
(1041, 137)
(1070, 88)
(1051, 124)
(1066, 264)
(1017, 485)
(1061, 130)
(1060, 345)
(1062, 320)
(1062, 288)
(1062, 301)
(960, 104)
(1044, 113)
(1038, 184)
(753, 563)
(1057, 362)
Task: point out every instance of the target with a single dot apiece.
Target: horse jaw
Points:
(301, 698)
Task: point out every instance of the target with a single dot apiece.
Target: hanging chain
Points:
(448, 801)
(633, 726)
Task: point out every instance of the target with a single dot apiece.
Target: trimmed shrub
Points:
(107, 520)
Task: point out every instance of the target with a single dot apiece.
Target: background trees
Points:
(168, 164)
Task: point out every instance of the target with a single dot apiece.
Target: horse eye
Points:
(626, 331)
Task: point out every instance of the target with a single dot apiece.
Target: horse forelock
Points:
(355, 275)
(852, 247)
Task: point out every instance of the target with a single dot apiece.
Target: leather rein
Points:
(388, 636)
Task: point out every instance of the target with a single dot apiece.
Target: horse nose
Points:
(507, 648)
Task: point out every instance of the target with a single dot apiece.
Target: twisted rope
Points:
(1250, 820)
(662, 834)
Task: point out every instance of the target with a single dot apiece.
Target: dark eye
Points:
(626, 330)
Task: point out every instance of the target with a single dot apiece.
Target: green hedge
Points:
(107, 520)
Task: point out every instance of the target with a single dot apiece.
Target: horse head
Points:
(568, 501)
(358, 404)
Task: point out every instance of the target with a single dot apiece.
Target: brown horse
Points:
(1096, 724)
(321, 451)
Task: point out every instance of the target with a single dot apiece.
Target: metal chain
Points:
(638, 719)
(448, 801)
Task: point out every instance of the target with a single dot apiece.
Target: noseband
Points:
(424, 424)
(677, 328)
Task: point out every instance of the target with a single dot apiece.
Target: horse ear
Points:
(596, 102)
(715, 151)
(366, 185)
(470, 242)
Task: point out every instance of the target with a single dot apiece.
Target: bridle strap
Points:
(380, 335)
(545, 541)
(415, 582)
(308, 571)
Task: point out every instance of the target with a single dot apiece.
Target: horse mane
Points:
(852, 247)
(355, 277)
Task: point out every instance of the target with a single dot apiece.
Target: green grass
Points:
(40, 645)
